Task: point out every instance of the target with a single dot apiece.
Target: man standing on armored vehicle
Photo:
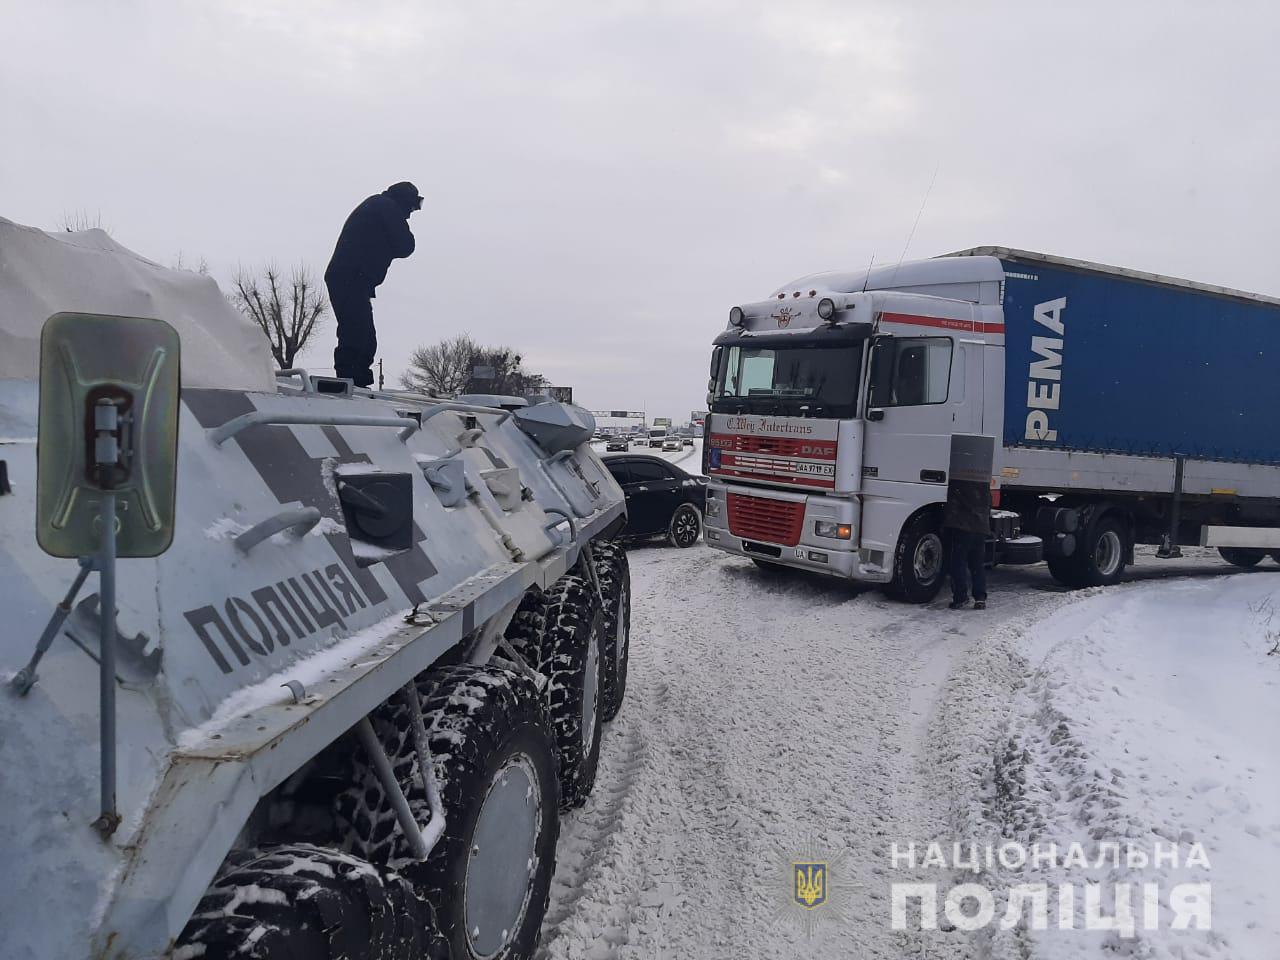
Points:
(376, 232)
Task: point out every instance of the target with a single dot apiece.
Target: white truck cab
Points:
(840, 408)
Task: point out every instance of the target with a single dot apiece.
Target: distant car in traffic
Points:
(671, 443)
(662, 500)
(617, 443)
(687, 442)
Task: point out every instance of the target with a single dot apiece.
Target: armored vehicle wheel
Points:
(686, 526)
(489, 875)
(919, 562)
(1242, 556)
(573, 663)
(302, 901)
(614, 574)
(528, 625)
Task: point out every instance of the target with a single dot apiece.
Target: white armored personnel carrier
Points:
(361, 649)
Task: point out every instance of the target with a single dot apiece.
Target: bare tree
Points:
(460, 365)
(288, 311)
(441, 369)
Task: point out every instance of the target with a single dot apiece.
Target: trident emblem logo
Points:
(811, 884)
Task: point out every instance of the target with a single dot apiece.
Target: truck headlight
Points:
(833, 530)
(713, 507)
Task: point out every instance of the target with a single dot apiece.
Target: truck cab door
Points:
(920, 391)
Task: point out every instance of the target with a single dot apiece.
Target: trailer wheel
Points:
(574, 666)
(1100, 558)
(300, 900)
(686, 526)
(489, 875)
(1243, 557)
(1066, 571)
(614, 573)
(919, 562)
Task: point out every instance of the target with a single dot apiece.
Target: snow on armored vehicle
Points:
(362, 647)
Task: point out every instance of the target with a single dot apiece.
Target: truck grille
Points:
(761, 518)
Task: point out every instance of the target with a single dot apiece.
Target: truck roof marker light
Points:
(737, 317)
(796, 294)
(813, 293)
(826, 308)
(782, 296)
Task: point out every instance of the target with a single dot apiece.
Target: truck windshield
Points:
(801, 381)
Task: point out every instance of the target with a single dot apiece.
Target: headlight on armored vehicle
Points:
(833, 530)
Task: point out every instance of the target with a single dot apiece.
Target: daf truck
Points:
(1106, 407)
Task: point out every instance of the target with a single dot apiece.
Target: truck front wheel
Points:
(919, 563)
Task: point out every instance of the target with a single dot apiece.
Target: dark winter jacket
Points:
(376, 233)
(968, 506)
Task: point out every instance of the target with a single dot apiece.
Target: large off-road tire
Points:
(614, 573)
(686, 526)
(573, 662)
(1243, 557)
(919, 562)
(489, 875)
(527, 626)
(303, 902)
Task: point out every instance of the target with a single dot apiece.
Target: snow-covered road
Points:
(772, 719)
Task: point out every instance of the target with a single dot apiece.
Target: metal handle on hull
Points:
(220, 435)
(300, 520)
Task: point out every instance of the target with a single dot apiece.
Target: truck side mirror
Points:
(109, 401)
(715, 366)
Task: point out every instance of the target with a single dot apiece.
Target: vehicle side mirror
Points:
(875, 415)
(109, 402)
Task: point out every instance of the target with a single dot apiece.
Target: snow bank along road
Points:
(773, 718)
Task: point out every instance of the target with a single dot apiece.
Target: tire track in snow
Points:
(587, 853)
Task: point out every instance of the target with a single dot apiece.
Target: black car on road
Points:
(662, 500)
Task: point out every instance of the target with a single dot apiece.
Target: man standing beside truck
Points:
(966, 520)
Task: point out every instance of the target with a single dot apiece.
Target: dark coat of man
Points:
(376, 232)
(968, 507)
(967, 519)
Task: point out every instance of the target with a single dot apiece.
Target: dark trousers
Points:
(968, 561)
(352, 301)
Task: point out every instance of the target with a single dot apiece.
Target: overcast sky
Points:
(603, 180)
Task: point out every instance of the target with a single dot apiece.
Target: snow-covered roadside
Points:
(1143, 716)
